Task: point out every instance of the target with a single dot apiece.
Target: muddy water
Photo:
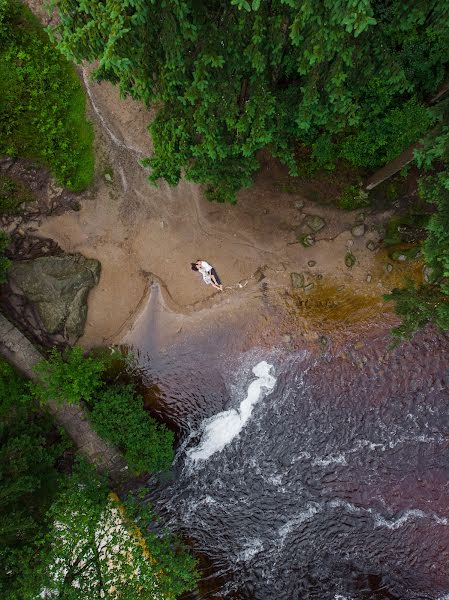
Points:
(315, 476)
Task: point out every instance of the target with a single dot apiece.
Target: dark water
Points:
(337, 485)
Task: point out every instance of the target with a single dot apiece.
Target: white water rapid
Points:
(218, 431)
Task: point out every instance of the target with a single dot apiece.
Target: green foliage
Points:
(177, 564)
(69, 377)
(5, 263)
(227, 79)
(93, 549)
(118, 415)
(28, 479)
(417, 306)
(383, 138)
(435, 190)
(42, 114)
(429, 303)
(353, 197)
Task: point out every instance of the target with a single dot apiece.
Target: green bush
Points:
(353, 197)
(118, 414)
(5, 263)
(381, 140)
(69, 377)
(417, 306)
(42, 113)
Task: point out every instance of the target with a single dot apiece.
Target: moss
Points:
(13, 193)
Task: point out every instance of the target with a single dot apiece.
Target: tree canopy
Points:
(349, 78)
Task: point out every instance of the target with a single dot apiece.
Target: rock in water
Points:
(315, 223)
(57, 286)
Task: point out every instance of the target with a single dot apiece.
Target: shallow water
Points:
(334, 485)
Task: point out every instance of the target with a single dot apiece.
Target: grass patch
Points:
(42, 114)
(352, 198)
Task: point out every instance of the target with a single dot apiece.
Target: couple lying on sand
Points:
(208, 272)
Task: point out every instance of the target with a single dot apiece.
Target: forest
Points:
(322, 87)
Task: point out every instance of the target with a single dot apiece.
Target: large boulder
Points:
(57, 287)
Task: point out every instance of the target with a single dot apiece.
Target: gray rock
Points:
(297, 280)
(427, 274)
(402, 257)
(388, 267)
(108, 177)
(371, 246)
(299, 204)
(358, 230)
(58, 287)
(315, 222)
(369, 278)
(311, 263)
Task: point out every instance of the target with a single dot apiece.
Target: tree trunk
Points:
(21, 353)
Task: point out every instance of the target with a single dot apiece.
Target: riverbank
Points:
(142, 234)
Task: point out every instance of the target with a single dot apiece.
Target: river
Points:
(302, 475)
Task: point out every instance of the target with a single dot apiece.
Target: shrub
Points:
(384, 138)
(68, 377)
(42, 113)
(118, 414)
(417, 306)
(5, 263)
(353, 197)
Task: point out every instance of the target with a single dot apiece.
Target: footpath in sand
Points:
(143, 234)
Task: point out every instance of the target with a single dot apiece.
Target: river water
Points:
(306, 476)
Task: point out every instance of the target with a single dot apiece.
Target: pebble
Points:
(371, 246)
(309, 287)
(108, 177)
(311, 263)
(369, 278)
(358, 230)
(388, 267)
(299, 204)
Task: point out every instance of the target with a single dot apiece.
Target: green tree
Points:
(69, 377)
(115, 410)
(93, 549)
(29, 447)
(42, 112)
(118, 415)
(429, 303)
(228, 79)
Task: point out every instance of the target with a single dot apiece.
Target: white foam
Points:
(221, 429)
(381, 521)
(252, 547)
(305, 515)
